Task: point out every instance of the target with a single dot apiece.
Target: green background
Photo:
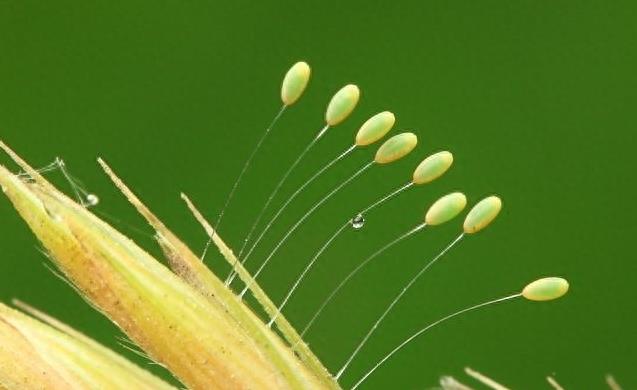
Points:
(536, 100)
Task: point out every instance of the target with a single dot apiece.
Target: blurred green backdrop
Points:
(536, 100)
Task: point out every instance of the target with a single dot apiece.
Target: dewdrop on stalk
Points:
(82, 196)
(358, 221)
(92, 200)
(370, 132)
(295, 82)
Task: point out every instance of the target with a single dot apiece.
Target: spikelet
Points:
(34, 355)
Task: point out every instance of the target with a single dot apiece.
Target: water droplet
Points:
(92, 200)
(358, 221)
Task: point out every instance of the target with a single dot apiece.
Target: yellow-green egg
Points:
(432, 167)
(342, 104)
(375, 128)
(294, 82)
(396, 147)
(545, 289)
(482, 214)
(445, 208)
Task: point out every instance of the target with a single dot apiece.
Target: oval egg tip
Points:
(396, 147)
(295, 82)
(445, 208)
(342, 104)
(375, 128)
(432, 167)
(546, 289)
(482, 214)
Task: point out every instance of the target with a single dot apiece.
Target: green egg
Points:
(396, 147)
(445, 208)
(482, 214)
(432, 167)
(294, 82)
(545, 289)
(375, 128)
(342, 104)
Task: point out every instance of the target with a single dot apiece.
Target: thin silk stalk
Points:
(354, 272)
(303, 218)
(246, 165)
(393, 303)
(329, 242)
(305, 271)
(278, 187)
(285, 205)
(423, 330)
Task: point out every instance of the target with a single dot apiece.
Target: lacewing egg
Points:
(482, 214)
(396, 147)
(294, 82)
(545, 289)
(445, 208)
(342, 104)
(432, 167)
(375, 128)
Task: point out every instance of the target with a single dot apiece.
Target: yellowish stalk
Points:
(34, 355)
(186, 264)
(450, 383)
(554, 383)
(612, 383)
(485, 380)
(288, 331)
